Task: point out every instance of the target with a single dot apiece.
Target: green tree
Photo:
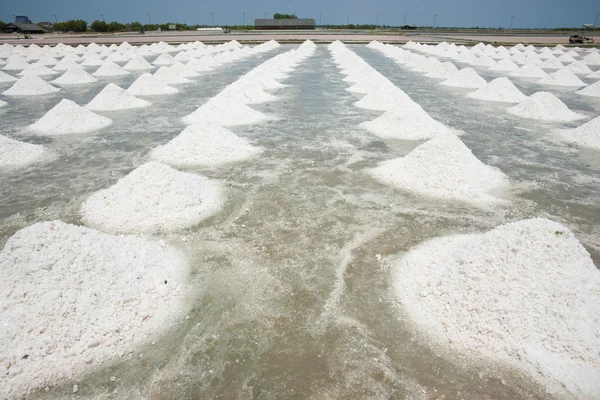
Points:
(135, 26)
(2, 26)
(74, 25)
(284, 16)
(115, 26)
(99, 26)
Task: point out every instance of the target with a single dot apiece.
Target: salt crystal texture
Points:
(524, 294)
(74, 76)
(500, 90)
(30, 85)
(204, 145)
(73, 306)
(405, 123)
(148, 85)
(444, 168)
(15, 154)
(67, 117)
(114, 98)
(153, 198)
(546, 107)
(466, 78)
(587, 135)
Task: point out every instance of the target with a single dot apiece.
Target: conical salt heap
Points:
(544, 106)
(406, 123)
(579, 67)
(169, 77)
(4, 77)
(147, 85)
(153, 198)
(164, 59)
(443, 168)
(39, 70)
(138, 64)
(500, 90)
(114, 98)
(74, 76)
(67, 117)
(218, 111)
(562, 77)
(109, 68)
(529, 71)
(587, 135)
(465, 78)
(204, 145)
(30, 85)
(505, 65)
(15, 154)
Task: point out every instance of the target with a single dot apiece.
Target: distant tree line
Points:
(74, 25)
(284, 16)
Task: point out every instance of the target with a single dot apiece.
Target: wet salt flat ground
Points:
(290, 300)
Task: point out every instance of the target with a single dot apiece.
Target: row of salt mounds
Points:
(587, 135)
(30, 85)
(204, 145)
(15, 154)
(500, 90)
(153, 198)
(525, 295)
(216, 111)
(403, 118)
(73, 307)
(562, 77)
(67, 118)
(446, 169)
(74, 76)
(544, 106)
(114, 98)
(591, 90)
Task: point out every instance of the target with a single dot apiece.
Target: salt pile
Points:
(68, 117)
(524, 294)
(72, 305)
(529, 71)
(147, 85)
(138, 64)
(110, 69)
(30, 85)
(501, 90)
(92, 62)
(592, 59)
(587, 135)
(169, 77)
(39, 70)
(505, 65)
(562, 77)
(442, 71)
(546, 107)
(579, 67)
(14, 154)
(552, 64)
(591, 90)
(204, 145)
(2, 103)
(465, 78)
(74, 76)
(164, 59)
(594, 75)
(443, 168)
(218, 111)
(114, 98)
(153, 198)
(405, 123)
(16, 65)
(4, 77)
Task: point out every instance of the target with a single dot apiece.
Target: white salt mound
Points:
(591, 90)
(546, 107)
(443, 168)
(30, 85)
(147, 85)
(466, 78)
(442, 71)
(138, 64)
(500, 90)
(524, 294)
(15, 154)
(78, 299)
(579, 68)
(562, 77)
(74, 76)
(114, 98)
(39, 70)
(68, 117)
(405, 123)
(218, 112)
(110, 69)
(153, 198)
(204, 145)
(3, 103)
(4, 77)
(587, 135)
(529, 71)
(170, 77)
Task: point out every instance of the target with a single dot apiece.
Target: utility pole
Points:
(149, 20)
(265, 15)
(102, 15)
(404, 19)
(434, 18)
(511, 22)
(55, 19)
(212, 19)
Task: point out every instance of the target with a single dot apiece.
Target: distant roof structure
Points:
(295, 23)
(23, 28)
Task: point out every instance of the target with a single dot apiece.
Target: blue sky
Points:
(483, 13)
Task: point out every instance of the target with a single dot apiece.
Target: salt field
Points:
(299, 221)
